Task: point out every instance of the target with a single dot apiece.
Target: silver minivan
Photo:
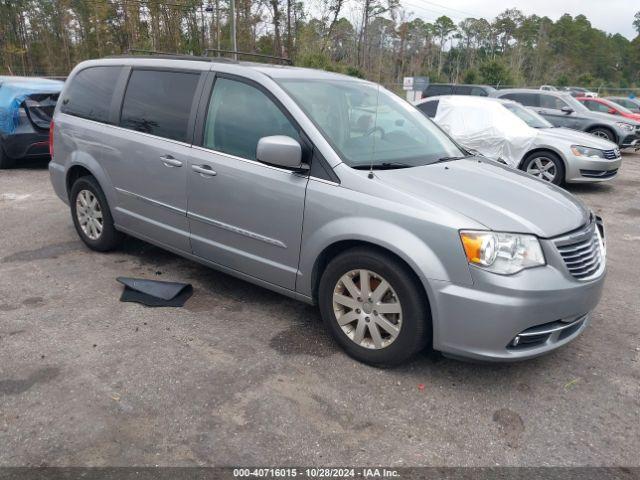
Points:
(333, 191)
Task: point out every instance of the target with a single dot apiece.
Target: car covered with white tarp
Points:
(504, 130)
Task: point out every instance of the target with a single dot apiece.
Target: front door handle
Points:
(204, 170)
(169, 161)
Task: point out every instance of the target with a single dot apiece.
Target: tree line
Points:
(382, 40)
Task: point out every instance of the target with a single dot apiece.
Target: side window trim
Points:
(203, 108)
(193, 112)
(118, 96)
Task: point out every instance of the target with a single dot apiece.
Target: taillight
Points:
(51, 139)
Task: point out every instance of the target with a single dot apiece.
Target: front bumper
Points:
(587, 170)
(482, 321)
(630, 141)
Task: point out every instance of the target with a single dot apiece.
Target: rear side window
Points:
(463, 90)
(159, 103)
(429, 108)
(90, 92)
(526, 99)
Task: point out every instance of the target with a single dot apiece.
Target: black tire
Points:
(5, 161)
(109, 238)
(415, 331)
(603, 133)
(546, 155)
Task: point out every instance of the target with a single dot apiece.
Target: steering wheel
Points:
(371, 131)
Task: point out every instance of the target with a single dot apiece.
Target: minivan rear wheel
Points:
(374, 307)
(91, 215)
(546, 166)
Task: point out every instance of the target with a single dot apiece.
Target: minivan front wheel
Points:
(91, 215)
(374, 307)
(546, 166)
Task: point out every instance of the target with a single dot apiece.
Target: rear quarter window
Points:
(526, 99)
(90, 93)
(159, 103)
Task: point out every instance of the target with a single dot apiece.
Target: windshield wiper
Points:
(450, 159)
(383, 166)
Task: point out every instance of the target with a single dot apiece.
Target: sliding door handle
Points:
(169, 161)
(204, 170)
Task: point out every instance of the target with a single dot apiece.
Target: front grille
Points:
(599, 173)
(581, 252)
(611, 154)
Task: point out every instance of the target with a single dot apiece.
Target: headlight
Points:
(504, 253)
(626, 126)
(580, 151)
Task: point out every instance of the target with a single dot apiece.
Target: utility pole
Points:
(233, 29)
(218, 23)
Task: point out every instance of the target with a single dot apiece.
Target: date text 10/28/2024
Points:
(315, 473)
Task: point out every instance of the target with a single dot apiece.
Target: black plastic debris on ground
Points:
(154, 293)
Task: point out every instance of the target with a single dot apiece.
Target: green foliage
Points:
(354, 72)
(494, 72)
(471, 76)
(384, 44)
(316, 60)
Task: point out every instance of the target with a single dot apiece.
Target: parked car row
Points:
(563, 110)
(505, 130)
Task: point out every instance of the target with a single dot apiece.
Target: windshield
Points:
(527, 116)
(370, 126)
(616, 106)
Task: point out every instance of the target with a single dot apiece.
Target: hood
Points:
(494, 195)
(578, 138)
(606, 117)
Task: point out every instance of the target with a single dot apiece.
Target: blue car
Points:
(26, 107)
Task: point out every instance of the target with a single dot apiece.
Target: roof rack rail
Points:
(284, 60)
(173, 56)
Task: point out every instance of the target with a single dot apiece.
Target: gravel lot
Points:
(243, 376)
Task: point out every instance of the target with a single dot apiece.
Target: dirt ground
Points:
(243, 376)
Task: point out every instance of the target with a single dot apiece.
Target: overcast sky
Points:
(612, 16)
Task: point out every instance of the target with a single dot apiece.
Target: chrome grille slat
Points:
(582, 257)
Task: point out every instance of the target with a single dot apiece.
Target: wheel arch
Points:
(609, 129)
(334, 249)
(83, 165)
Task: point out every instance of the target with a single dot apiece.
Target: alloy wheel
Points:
(89, 214)
(367, 309)
(601, 134)
(544, 168)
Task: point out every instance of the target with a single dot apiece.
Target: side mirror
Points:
(567, 110)
(281, 151)
(612, 111)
